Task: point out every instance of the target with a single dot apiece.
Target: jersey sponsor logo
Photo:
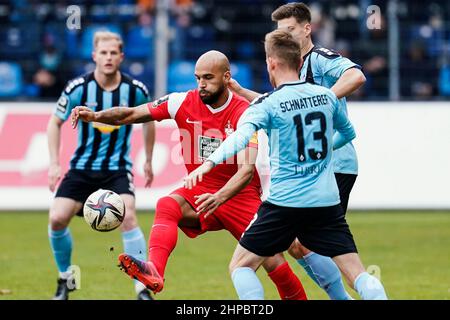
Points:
(104, 128)
(206, 146)
(314, 169)
(229, 129)
(62, 104)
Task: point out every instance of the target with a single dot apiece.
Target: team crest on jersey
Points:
(229, 129)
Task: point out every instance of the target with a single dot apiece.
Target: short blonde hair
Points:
(281, 44)
(107, 35)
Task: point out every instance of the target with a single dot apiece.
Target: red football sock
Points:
(288, 285)
(164, 232)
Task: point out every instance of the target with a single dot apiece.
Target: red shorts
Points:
(234, 215)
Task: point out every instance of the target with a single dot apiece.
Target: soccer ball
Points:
(104, 210)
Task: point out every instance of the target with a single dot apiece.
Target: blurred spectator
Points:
(372, 53)
(324, 27)
(418, 73)
(236, 27)
(49, 77)
(146, 5)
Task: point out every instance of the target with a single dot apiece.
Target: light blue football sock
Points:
(369, 287)
(61, 244)
(134, 244)
(308, 270)
(328, 276)
(247, 284)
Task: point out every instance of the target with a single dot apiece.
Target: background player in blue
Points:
(327, 68)
(304, 199)
(101, 159)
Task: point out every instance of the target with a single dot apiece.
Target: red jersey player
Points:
(230, 194)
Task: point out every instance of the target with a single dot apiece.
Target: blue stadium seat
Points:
(88, 37)
(83, 67)
(139, 43)
(72, 43)
(198, 39)
(10, 79)
(181, 76)
(246, 50)
(141, 71)
(242, 72)
(19, 41)
(444, 81)
(432, 38)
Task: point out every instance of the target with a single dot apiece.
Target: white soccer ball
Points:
(104, 210)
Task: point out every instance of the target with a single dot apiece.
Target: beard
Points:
(212, 97)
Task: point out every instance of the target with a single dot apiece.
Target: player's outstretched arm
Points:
(209, 202)
(114, 116)
(248, 94)
(351, 80)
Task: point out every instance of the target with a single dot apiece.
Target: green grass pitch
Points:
(411, 250)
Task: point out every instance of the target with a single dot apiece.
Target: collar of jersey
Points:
(309, 52)
(226, 104)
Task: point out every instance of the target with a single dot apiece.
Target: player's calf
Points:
(367, 286)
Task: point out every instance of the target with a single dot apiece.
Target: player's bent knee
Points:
(58, 221)
(130, 220)
(168, 207)
(244, 258)
(274, 262)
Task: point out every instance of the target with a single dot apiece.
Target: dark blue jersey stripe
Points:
(83, 126)
(100, 149)
(97, 133)
(125, 146)
(113, 138)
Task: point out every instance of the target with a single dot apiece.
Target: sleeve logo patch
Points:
(160, 101)
(62, 104)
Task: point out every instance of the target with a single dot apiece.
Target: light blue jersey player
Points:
(324, 67)
(304, 204)
(299, 119)
(101, 159)
(327, 68)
